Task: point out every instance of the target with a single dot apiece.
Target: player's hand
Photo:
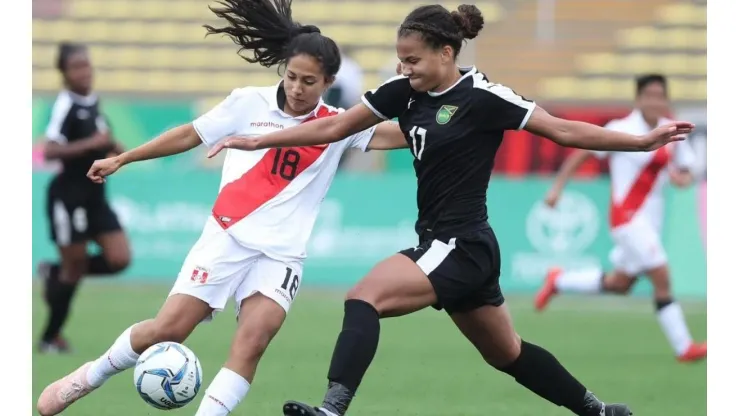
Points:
(552, 198)
(234, 142)
(674, 131)
(104, 167)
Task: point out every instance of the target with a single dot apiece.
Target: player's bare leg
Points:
(260, 319)
(491, 331)
(59, 288)
(178, 317)
(394, 287)
(587, 281)
(672, 320)
(115, 254)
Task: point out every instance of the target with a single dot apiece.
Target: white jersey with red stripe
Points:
(269, 199)
(638, 178)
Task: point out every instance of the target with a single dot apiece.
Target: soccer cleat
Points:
(595, 407)
(696, 352)
(60, 394)
(291, 408)
(58, 345)
(548, 289)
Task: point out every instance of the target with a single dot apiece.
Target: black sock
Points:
(96, 266)
(662, 303)
(59, 298)
(99, 266)
(540, 372)
(353, 354)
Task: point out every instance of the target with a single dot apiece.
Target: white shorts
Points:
(638, 247)
(218, 268)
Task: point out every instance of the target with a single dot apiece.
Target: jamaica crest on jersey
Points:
(445, 113)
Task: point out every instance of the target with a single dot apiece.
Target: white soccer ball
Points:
(168, 375)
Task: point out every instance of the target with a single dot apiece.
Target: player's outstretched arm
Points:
(322, 131)
(388, 136)
(589, 136)
(569, 167)
(177, 140)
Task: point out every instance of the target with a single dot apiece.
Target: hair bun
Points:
(308, 29)
(469, 19)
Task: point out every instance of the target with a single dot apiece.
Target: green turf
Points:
(423, 366)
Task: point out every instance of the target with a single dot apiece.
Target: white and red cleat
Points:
(696, 352)
(60, 394)
(548, 289)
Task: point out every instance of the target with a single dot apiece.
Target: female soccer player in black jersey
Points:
(454, 119)
(78, 211)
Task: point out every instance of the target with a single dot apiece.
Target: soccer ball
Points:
(168, 375)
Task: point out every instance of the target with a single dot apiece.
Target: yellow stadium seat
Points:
(307, 12)
(614, 89)
(683, 14)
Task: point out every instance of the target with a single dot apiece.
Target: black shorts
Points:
(78, 212)
(464, 271)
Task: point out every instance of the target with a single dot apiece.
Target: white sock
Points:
(118, 358)
(326, 412)
(580, 281)
(224, 394)
(674, 327)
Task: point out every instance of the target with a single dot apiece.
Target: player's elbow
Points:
(51, 152)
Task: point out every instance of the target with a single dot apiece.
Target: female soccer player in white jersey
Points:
(253, 246)
(636, 218)
(454, 120)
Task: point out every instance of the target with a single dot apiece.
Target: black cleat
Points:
(617, 410)
(291, 408)
(595, 407)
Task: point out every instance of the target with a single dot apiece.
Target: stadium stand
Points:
(594, 51)
(158, 47)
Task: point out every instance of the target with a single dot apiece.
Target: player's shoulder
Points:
(398, 82)
(64, 100)
(485, 90)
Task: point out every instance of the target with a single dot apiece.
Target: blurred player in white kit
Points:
(636, 214)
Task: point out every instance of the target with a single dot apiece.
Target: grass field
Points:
(423, 365)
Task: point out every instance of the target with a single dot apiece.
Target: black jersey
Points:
(454, 136)
(75, 117)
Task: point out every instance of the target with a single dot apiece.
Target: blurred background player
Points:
(253, 245)
(77, 134)
(636, 217)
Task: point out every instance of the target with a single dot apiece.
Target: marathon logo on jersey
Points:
(268, 124)
(445, 113)
(200, 275)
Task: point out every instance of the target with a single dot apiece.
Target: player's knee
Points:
(617, 285)
(73, 269)
(118, 262)
(250, 345)
(504, 354)
(163, 329)
(363, 293)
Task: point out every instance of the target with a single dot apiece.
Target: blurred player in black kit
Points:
(78, 211)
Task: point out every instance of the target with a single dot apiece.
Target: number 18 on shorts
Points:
(218, 268)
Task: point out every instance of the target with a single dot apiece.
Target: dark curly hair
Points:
(439, 27)
(266, 28)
